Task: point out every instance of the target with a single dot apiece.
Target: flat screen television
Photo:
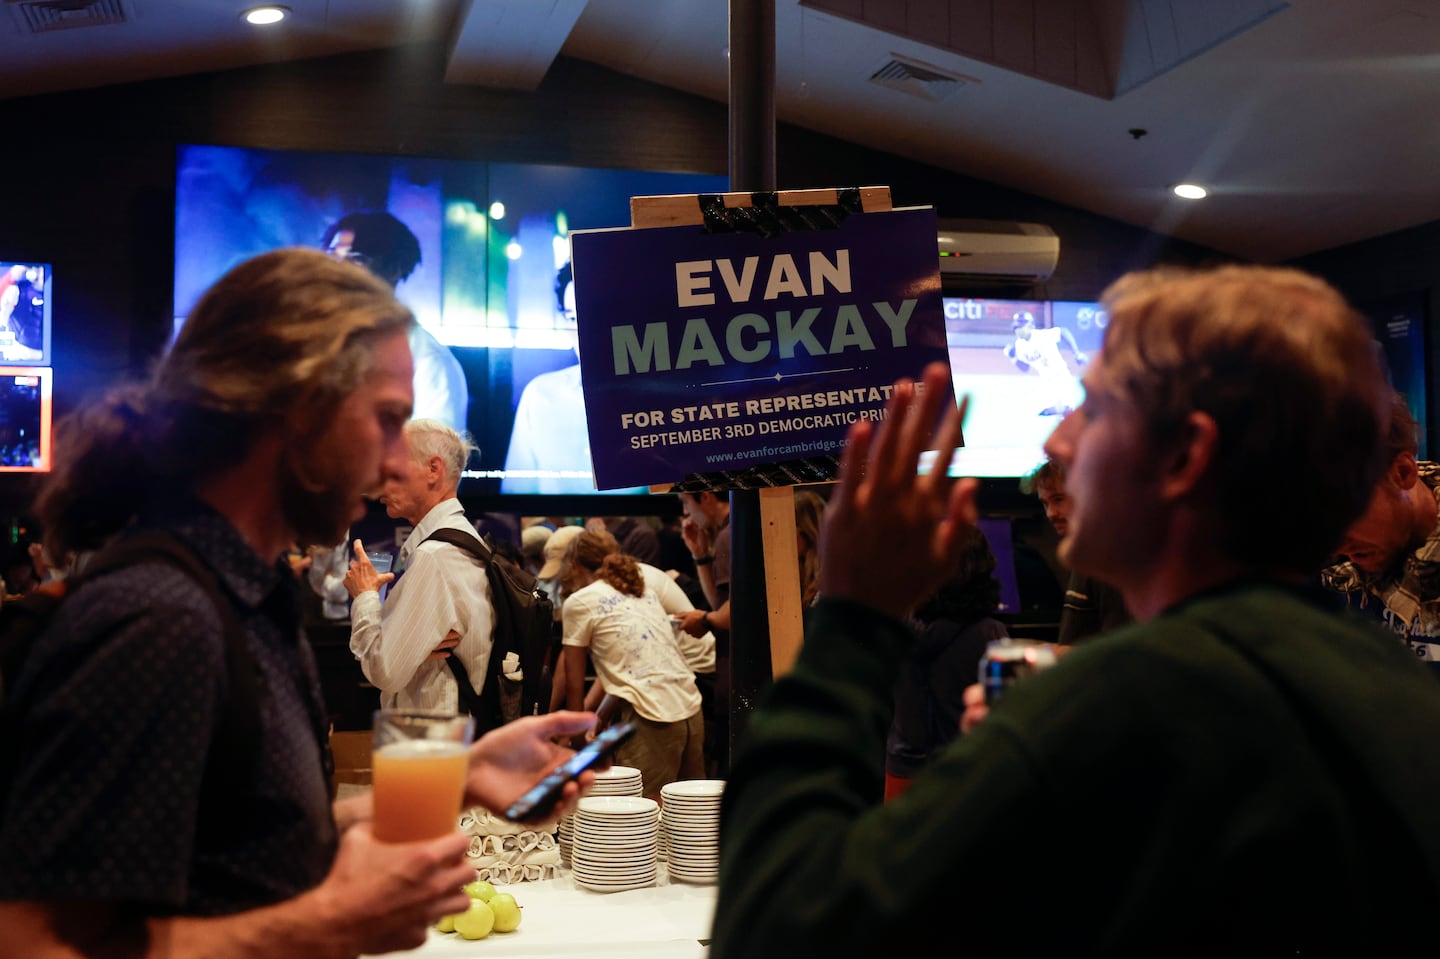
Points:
(25, 412)
(24, 313)
(1019, 362)
(487, 292)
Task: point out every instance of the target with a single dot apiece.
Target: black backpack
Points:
(24, 620)
(524, 625)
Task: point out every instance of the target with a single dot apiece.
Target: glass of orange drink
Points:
(418, 769)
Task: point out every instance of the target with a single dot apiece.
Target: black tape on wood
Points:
(767, 217)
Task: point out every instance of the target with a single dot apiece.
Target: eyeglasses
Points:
(359, 259)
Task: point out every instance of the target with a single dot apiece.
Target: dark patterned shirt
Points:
(118, 708)
(1409, 594)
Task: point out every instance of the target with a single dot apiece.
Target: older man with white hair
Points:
(441, 608)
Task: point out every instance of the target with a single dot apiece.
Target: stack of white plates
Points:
(614, 846)
(690, 822)
(615, 781)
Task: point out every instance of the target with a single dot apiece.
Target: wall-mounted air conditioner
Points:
(997, 251)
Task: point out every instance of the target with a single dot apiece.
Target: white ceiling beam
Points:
(510, 43)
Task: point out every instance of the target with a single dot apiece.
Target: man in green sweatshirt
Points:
(1245, 771)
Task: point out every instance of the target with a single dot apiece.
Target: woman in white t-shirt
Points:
(611, 611)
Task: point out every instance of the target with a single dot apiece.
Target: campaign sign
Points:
(703, 352)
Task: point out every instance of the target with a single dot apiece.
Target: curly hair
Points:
(600, 554)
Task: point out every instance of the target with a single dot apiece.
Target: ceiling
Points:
(1310, 122)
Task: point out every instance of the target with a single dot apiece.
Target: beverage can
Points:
(1007, 661)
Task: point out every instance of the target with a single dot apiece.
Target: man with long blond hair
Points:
(147, 807)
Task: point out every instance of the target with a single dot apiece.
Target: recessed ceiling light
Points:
(263, 16)
(1190, 191)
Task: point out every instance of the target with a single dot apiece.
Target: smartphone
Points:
(543, 796)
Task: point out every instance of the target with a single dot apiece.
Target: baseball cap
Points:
(533, 540)
(1023, 318)
(555, 548)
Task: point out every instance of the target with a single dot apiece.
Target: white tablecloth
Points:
(560, 919)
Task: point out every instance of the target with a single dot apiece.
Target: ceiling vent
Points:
(919, 79)
(46, 16)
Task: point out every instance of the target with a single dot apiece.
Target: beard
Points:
(318, 508)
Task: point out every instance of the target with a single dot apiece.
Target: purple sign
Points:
(702, 351)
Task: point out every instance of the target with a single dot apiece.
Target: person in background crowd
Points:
(956, 623)
(636, 537)
(46, 569)
(1091, 607)
(614, 615)
(497, 528)
(675, 600)
(326, 576)
(1245, 771)
(674, 554)
(1392, 552)
(549, 578)
(441, 606)
(378, 241)
(549, 573)
(809, 516)
(706, 529)
(532, 546)
(19, 570)
(706, 532)
(276, 411)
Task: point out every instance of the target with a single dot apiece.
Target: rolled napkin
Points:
(504, 875)
(478, 821)
(505, 852)
(511, 848)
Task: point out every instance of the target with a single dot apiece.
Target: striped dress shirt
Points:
(443, 588)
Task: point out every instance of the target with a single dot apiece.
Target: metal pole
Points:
(752, 95)
(745, 670)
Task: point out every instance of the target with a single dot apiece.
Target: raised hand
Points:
(883, 504)
(362, 576)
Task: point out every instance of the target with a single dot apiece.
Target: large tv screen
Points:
(1019, 362)
(495, 345)
(25, 410)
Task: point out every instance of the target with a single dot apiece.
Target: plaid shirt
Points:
(1410, 594)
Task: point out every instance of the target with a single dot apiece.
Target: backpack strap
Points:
(484, 708)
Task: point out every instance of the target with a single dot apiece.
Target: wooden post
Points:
(782, 577)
